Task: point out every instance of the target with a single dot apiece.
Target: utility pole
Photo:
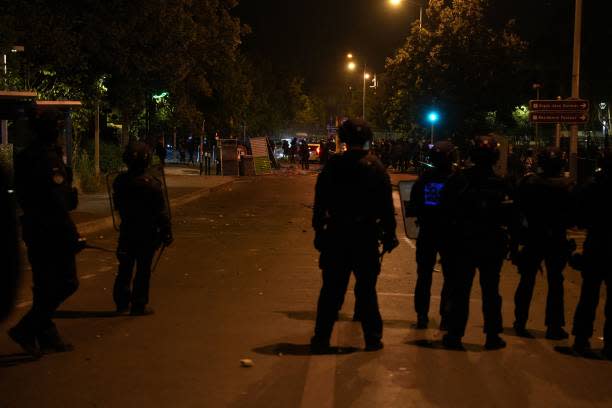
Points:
(365, 73)
(558, 131)
(537, 127)
(576, 87)
(97, 141)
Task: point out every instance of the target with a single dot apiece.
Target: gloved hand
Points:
(80, 245)
(390, 243)
(320, 240)
(167, 240)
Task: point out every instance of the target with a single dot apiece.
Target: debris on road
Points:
(246, 362)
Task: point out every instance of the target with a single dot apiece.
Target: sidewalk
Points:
(184, 186)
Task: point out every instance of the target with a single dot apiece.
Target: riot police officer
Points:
(9, 246)
(145, 225)
(425, 205)
(473, 203)
(46, 196)
(544, 204)
(353, 213)
(594, 203)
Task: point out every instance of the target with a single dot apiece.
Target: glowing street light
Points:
(433, 117)
(349, 56)
(398, 3)
(351, 66)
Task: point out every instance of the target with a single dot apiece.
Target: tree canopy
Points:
(457, 64)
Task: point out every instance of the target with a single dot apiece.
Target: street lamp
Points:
(433, 117)
(398, 3)
(352, 66)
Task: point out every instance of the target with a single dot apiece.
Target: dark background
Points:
(311, 37)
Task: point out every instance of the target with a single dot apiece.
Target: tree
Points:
(459, 64)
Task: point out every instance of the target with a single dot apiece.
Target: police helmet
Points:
(137, 156)
(485, 151)
(46, 124)
(355, 132)
(441, 153)
(551, 161)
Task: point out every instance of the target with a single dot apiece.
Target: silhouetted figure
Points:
(425, 205)
(353, 213)
(594, 204)
(304, 155)
(145, 226)
(473, 204)
(9, 246)
(46, 195)
(544, 204)
(160, 150)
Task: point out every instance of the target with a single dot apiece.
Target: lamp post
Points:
(398, 3)
(537, 88)
(352, 66)
(4, 123)
(433, 118)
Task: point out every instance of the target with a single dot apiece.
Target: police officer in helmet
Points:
(145, 226)
(353, 215)
(594, 203)
(425, 205)
(544, 203)
(45, 193)
(474, 205)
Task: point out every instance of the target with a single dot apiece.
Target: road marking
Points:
(91, 275)
(320, 382)
(23, 304)
(410, 243)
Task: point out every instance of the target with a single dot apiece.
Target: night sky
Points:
(311, 37)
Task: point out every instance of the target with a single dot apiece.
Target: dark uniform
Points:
(544, 202)
(145, 225)
(45, 193)
(353, 212)
(474, 205)
(9, 247)
(594, 204)
(425, 205)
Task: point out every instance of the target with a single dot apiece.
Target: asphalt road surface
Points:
(241, 282)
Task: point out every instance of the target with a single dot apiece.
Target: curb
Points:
(91, 227)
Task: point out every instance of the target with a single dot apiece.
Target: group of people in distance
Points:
(474, 220)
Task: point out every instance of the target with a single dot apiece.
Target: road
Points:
(241, 281)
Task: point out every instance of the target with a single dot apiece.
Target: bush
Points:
(85, 173)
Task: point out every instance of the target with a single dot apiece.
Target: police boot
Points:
(51, 342)
(452, 342)
(556, 333)
(581, 345)
(319, 346)
(522, 331)
(494, 342)
(26, 341)
(141, 311)
(374, 345)
(422, 322)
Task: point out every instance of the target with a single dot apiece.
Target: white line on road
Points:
(23, 304)
(320, 382)
(91, 275)
(410, 243)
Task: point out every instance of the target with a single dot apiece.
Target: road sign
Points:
(569, 105)
(575, 117)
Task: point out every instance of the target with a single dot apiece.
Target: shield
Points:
(410, 225)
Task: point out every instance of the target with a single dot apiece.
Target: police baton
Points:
(159, 255)
(97, 248)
